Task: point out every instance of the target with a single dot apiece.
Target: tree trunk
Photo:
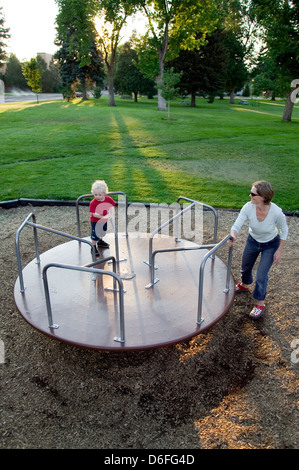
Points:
(193, 100)
(162, 53)
(288, 109)
(232, 97)
(111, 85)
(161, 101)
(159, 79)
(84, 91)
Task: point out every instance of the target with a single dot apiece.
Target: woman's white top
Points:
(264, 231)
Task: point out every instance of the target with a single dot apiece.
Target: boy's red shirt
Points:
(100, 207)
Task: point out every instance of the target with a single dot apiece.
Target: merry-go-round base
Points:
(87, 310)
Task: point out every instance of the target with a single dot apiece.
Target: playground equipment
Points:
(115, 302)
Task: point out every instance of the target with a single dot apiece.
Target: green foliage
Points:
(237, 73)
(203, 71)
(128, 79)
(280, 21)
(97, 92)
(33, 74)
(168, 85)
(4, 34)
(78, 55)
(14, 77)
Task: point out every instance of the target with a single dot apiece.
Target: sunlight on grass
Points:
(210, 153)
(253, 111)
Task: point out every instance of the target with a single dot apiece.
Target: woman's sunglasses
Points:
(253, 194)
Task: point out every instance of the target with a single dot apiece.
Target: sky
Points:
(32, 27)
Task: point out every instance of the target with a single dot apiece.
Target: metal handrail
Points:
(91, 195)
(120, 338)
(201, 273)
(208, 207)
(175, 218)
(168, 222)
(211, 253)
(17, 246)
(47, 229)
(168, 250)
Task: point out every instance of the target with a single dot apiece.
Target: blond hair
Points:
(99, 185)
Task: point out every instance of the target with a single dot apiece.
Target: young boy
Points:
(99, 213)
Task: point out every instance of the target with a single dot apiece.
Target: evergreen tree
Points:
(4, 34)
(14, 77)
(203, 70)
(79, 59)
(128, 79)
(237, 72)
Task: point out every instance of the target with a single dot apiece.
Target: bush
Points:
(68, 93)
(97, 92)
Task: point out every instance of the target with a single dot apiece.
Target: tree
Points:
(280, 22)
(78, 56)
(168, 86)
(4, 34)
(14, 77)
(128, 79)
(114, 14)
(51, 79)
(265, 79)
(172, 26)
(33, 74)
(237, 73)
(203, 70)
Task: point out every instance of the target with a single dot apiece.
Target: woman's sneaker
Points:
(257, 311)
(240, 288)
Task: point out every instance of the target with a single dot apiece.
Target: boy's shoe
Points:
(97, 253)
(257, 311)
(240, 288)
(103, 244)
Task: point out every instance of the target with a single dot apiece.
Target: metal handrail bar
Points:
(91, 195)
(208, 207)
(168, 222)
(17, 245)
(201, 273)
(166, 250)
(67, 235)
(120, 338)
(47, 229)
(104, 260)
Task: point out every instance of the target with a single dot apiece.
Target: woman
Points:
(268, 231)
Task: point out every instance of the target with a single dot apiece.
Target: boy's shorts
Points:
(98, 230)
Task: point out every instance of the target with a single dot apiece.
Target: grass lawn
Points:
(212, 153)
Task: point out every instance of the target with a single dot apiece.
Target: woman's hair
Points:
(99, 185)
(265, 190)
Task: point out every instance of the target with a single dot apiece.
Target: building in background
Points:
(47, 57)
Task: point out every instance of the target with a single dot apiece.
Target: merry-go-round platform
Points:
(147, 290)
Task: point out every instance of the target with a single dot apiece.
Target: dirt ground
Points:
(233, 387)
